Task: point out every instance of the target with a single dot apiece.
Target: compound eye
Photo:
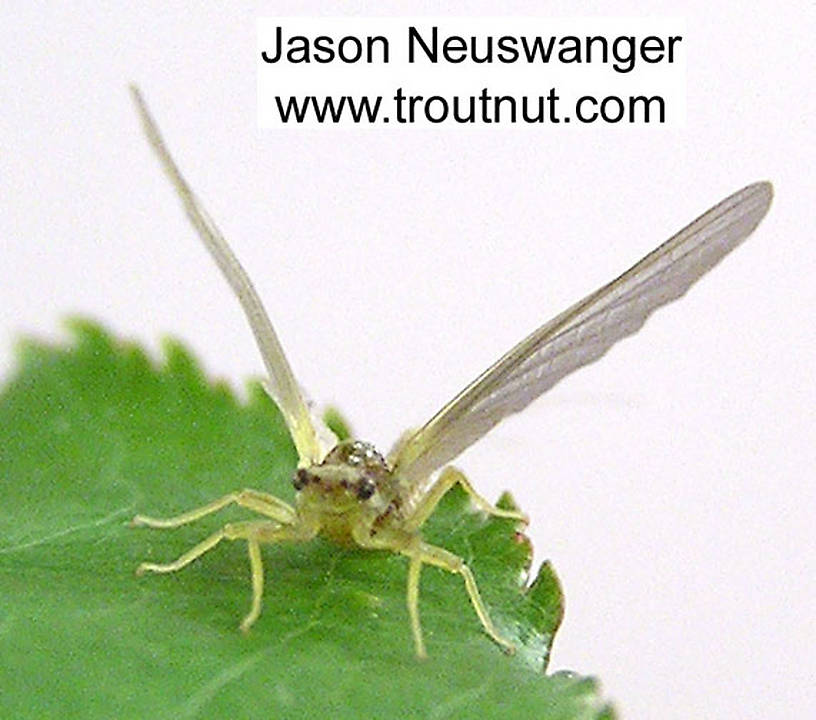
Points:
(365, 488)
(300, 479)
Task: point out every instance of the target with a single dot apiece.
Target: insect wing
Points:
(582, 333)
(280, 384)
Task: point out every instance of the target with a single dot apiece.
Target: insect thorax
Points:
(352, 486)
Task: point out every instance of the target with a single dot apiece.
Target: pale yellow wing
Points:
(581, 334)
(281, 384)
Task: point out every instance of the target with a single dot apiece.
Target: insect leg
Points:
(414, 569)
(447, 479)
(185, 559)
(256, 568)
(255, 533)
(260, 502)
(231, 531)
(422, 553)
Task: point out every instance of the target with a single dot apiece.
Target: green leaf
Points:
(92, 433)
(337, 423)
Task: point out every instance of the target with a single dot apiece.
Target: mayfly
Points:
(349, 492)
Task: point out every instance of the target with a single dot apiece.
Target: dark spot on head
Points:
(365, 488)
(301, 479)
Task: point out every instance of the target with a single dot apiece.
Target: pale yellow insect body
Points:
(351, 493)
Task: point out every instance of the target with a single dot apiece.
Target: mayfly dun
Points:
(350, 492)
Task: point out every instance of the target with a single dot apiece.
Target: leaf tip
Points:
(546, 593)
(178, 360)
(338, 424)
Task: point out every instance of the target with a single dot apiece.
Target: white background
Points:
(671, 483)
